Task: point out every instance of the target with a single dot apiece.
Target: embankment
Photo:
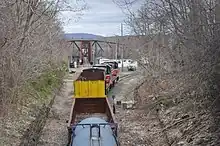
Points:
(32, 134)
(24, 125)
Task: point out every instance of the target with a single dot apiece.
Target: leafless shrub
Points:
(176, 31)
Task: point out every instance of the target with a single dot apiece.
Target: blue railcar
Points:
(94, 132)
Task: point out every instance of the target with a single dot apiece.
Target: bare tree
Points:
(178, 30)
(181, 39)
(31, 43)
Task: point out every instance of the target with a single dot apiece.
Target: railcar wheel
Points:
(113, 84)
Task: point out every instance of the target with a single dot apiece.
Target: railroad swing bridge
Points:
(87, 48)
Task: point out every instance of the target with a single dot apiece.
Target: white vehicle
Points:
(132, 66)
(119, 63)
(102, 60)
(125, 62)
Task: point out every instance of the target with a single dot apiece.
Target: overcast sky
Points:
(102, 18)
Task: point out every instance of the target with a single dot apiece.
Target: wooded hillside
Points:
(184, 58)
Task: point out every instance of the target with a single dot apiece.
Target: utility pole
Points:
(116, 51)
(95, 53)
(122, 56)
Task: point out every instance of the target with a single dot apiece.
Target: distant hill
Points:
(87, 36)
(84, 36)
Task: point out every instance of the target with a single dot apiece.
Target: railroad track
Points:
(128, 76)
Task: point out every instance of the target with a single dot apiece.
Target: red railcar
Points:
(108, 75)
(115, 69)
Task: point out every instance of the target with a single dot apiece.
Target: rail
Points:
(127, 76)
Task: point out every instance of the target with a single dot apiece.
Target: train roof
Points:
(109, 64)
(93, 69)
(92, 74)
(101, 65)
(110, 61)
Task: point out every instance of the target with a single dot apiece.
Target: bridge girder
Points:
(92, 50)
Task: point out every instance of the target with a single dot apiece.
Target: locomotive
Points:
(94, 131)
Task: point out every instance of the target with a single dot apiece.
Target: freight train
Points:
(92, 121)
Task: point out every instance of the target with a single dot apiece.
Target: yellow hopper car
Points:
(90, 84)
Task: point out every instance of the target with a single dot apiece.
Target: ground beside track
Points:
(131, 129)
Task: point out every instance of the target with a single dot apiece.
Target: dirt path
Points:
(55, 130)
